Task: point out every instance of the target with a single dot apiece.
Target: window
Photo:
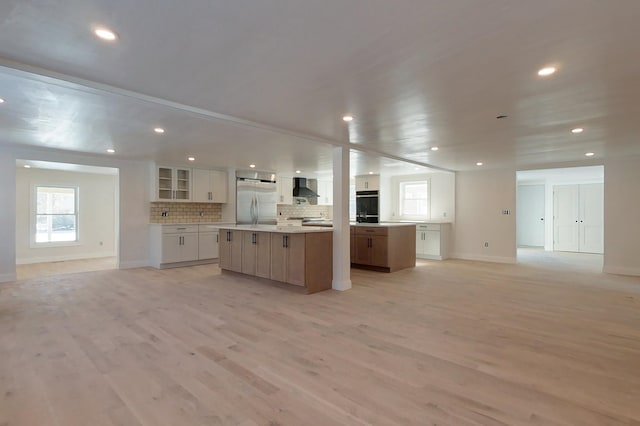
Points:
(56, 214)
(414, 199)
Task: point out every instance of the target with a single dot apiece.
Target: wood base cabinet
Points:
(256, 253)
(303, 259)
(386, 248)
(288, 258)
(231, 250)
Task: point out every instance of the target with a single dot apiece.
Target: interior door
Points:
(566, 217)
(591, 225)
(530, 215)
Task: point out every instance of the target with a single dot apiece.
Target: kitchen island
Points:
(387, 247)
(295, 255)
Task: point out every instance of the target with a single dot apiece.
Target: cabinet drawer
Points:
(179, 229)
(372, 230)
(428, 227)
(208, 228)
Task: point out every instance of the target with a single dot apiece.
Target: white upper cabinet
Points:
(285, 190)
(368, 183)
(325, 192)
(209, 186)
(173, 184)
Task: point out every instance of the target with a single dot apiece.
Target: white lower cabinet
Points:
(179, 247)
(175, 245)
(432, 241)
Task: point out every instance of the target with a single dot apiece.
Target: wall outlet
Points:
(444, 214)
(165, 214)
(100, 243)
(486, 244)
(506, 211)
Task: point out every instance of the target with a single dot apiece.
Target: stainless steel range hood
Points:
(300, 189)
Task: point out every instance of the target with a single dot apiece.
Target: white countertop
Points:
(278, 229)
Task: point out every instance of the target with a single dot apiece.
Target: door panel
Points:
(249, 253)
(224, 248)
(278, 258)
(236, 251)
(565, 218)
(295, 261)
(379, 250)
(363, 256)
(263, 254)
(432, 243)
(592, 218)
(170, 248)
(530, 213)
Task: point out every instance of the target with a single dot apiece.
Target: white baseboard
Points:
(132, 264)
(62, 258)
(8, 278)
(621, 270)
(493, 259)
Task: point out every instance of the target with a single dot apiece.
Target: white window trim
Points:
(33, 215)
(398, 181)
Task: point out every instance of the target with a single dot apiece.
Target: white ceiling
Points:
(267, 81)
(590, 174)
(67, 167)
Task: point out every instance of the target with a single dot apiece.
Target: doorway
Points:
(66, 218)
(560, 210)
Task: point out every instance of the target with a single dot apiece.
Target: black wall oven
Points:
(367, 207)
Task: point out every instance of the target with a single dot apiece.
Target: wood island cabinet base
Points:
(298, 259)
(383, 248)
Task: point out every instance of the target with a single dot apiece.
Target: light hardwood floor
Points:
(47, 269)
(446, 343)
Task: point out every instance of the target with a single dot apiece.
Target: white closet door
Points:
(592, 218)
(566, 217)
(530, 215)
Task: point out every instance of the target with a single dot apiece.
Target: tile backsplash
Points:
(305, 210)
(185, 212)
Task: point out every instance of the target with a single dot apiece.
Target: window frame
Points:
(34, 216)
(400, 197)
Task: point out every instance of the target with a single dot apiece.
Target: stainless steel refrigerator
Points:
(256, 198)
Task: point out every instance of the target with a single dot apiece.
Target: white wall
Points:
(480, 198)
(96, 215)
(621, 214)
(442, 192)
(133, 205)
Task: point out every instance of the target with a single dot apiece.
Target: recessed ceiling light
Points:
(111, 150)
(26, 166)
(348, 118)
(370, 173)
(589, 154)
(1, 101)
(577, 130)
(434, 148)
(479, 163)
(191, 158)
(416, 168)
(158, 130)
(298, 171)
(253, 166)
(547, 71)
(105, 34)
